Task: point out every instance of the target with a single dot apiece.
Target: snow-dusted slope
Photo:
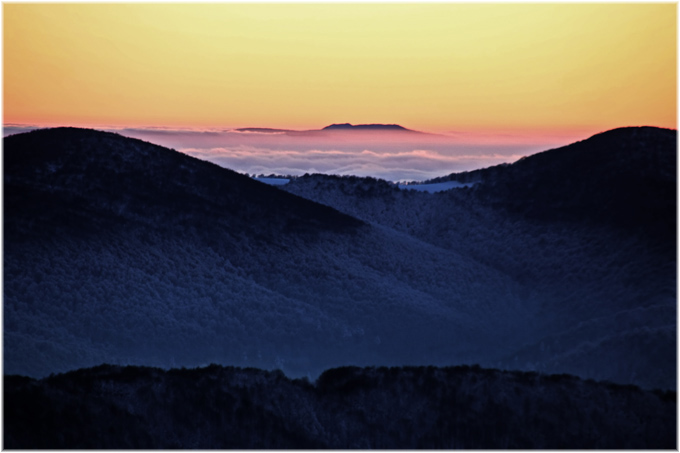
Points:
(273, 181)
(436, 187)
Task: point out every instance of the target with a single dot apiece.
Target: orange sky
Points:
(532, 68)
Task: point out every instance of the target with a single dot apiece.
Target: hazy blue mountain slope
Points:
(387, 408)
(117, 250)
(604, 290)
(159, 301)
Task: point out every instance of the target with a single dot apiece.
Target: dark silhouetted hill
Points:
(358, 408)
(625, 178)
(76, 179)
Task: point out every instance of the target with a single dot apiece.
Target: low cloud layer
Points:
(394, 166)
(390, 156)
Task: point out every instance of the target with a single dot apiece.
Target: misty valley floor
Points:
(350, 407)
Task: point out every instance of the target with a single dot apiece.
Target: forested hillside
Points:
(624, 178)
(120, 251)
(387, 408)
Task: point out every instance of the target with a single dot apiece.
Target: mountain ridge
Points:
(77, 166)
(624, 177)
(453, 407)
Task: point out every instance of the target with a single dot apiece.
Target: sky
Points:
(499, 80)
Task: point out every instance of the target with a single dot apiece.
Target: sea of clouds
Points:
(394, 156)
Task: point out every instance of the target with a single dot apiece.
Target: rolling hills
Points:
(120, 251)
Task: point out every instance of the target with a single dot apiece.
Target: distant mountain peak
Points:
(374, 127)
(262, 130)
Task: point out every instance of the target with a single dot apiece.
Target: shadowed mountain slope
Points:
(587, 231)
(624, 178)
(121, 251)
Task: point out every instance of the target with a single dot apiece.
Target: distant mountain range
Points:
(345, 127)
(121, 251)
(366, 127)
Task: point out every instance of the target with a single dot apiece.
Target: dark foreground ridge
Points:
(412, 407)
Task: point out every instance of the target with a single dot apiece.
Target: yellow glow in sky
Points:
(433, 67)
